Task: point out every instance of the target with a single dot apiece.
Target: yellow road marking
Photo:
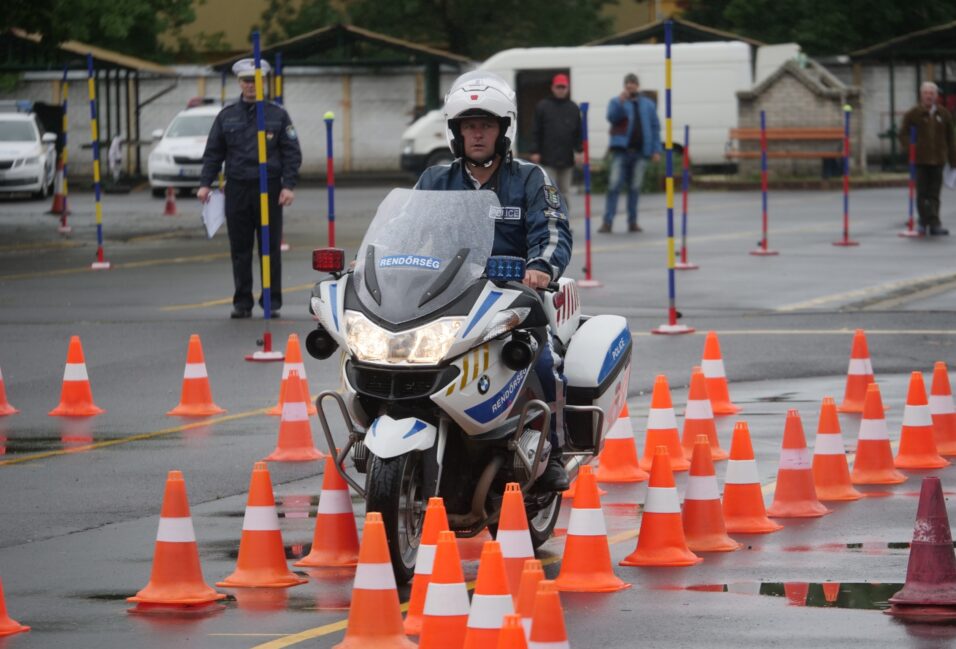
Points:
(132, 264)
(40, 246)
(228, 300)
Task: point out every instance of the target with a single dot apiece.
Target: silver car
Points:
(27, 155)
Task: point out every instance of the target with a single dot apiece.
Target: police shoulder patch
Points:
(551, 196)
(290, 132)
(555, 214)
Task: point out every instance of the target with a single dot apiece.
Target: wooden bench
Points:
(791, 134)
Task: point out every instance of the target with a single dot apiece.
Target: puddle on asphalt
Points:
(830, 594)
(865, 547)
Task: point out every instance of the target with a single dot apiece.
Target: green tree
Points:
(129, 26)
(284, 19)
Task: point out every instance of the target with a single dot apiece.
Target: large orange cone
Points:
(335, 540)
(831, 473)
(196, 399)
(703, 515)
(744, 510)
(491, 602)
(5, 407)
(375, 620)
(699, 418)
(436, 521)
(76, 398)
(618, 459)
(929, 593)
(941, 407)
(858, 376)
(662, 429)
(514, 535)
(295, 433)
(293, 361)
(512, 634)
(176, 580)
(532, 574)
(169, 209)
(874, 457)
(795, 495)
(446, 604)
(8, 626)
(261, 562)
(917, 441)
(661, 539)
(586, 565)
(712, 365)
(547, 626)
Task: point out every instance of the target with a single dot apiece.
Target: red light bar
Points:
(328, 260)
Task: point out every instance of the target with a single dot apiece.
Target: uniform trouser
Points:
(627, 168)
(562, 180)
(929, 183)
(550, 372)
(243, 221)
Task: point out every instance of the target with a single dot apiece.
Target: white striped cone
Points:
(858, 376)
(831, 473)
(295, 433)
(5, 407)
(874, 456)
(335, 540)
(76, 397)
(917, 440)
(941, 406)
(445, 618)
(662, 428)
(196, 399)
(699, 418)
(702, 514)
(514, 535)
(491, 602)
(795, 495)
(436, 521)
(744, 509)
(293, 363)
(618, 459)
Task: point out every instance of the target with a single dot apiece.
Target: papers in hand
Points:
(949, 176)
(214, 212)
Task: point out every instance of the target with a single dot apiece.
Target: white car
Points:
(27, 155)
(177, 159)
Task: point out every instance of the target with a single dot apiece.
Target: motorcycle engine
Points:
(527, 445)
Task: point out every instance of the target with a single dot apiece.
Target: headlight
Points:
(423, 345)
(505, 322)
(160, 158)
(31, 162)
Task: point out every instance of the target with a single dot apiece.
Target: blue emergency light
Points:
(503, 268)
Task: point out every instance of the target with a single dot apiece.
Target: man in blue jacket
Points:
(635, 138)
(481, 119)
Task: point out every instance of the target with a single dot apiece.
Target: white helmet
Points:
(480, 93)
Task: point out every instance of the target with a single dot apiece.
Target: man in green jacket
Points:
(935, 147)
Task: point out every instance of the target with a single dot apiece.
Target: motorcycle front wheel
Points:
(396, 490)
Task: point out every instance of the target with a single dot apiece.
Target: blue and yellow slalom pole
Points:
(671, 328)
(683, 264)
(100, 263)
(762, 250)
(588, 281)
(61, 199)
(277, 97)
(846, 241)
(266, 353)
(911, 230)
(329, 117)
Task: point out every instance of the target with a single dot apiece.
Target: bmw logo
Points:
(483, 384)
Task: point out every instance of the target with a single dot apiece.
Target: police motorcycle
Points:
(438, 344)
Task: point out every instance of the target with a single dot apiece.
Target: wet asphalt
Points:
(79, 500)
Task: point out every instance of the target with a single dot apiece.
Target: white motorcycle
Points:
(439, 393)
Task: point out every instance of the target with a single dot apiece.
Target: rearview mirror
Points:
(158, 134)
(48, 138)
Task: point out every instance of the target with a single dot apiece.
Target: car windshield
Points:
(190, 126)
(423, 249)
(18, 131)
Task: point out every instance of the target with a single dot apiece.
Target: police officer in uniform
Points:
(481, 120)
(234, 139)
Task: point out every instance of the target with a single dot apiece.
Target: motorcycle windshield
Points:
(423, 249)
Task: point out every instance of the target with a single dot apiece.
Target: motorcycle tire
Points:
(396, 490)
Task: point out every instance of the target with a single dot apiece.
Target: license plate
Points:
(188, 173)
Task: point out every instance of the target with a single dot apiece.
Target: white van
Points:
(706, 78)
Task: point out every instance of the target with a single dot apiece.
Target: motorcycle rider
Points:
(481, 117)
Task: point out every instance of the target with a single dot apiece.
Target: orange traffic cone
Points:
(436, 521)
(295, 433)
(661, 539)
(712, 365)
(796, 592)
(744, 511)
(335, 540)
(374, 616)
(662, 429)
(491, 602)
(8, 626)
(446, 604)
(176, 580)
(512, 634)
(618, 459)
(547, 626)
(169, 209)
(531, 575)
(831, 473)
(293, 361)
(917, 441)
(831, 591)
(941, 407)
(795, 495)
(5, 407)
(261, 562)
(196, 399)
(699, 418)
(586, 566)
(702, 515)
(874, 457)
(514, 535)
(858, 376)
(59, 199)
(76, 398)
(570, 492)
